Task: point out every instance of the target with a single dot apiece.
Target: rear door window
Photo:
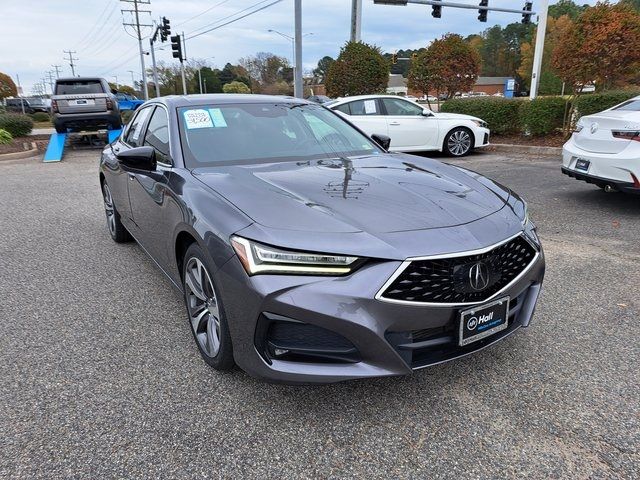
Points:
(78, 87)
(364, 107)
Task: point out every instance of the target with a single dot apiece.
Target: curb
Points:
(536, 150)
(18, 155)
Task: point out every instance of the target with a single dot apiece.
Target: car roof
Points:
(341, 100)
(78, 79)
(176, 101)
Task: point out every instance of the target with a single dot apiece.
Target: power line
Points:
(234, 20)
(201, 13)
(228, 16)
(93, 33)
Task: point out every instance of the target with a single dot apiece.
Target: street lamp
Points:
(133, 80)
(293, 45)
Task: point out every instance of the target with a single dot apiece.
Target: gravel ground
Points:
(100, 378)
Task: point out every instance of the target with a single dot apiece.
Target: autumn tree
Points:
(359, 70)
(550, 83)
(566, 7)
(601, 46)
(7, 87)
(235, 87)
(448, 65)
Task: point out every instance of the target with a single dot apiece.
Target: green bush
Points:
(543, 115)
(502, 114)
(16, 125)
(5, 137)
(40, 117)
(588, 104)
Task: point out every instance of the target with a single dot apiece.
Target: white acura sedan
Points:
(412, 127)
(605, 149)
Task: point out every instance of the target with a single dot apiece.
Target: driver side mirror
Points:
(140, 158)
(114, 91)
(382, 140)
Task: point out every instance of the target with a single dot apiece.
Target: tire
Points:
(458, 142)
(116, 229)
(205, 312)
(61, 129)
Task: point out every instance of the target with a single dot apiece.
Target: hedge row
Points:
(541, 116)
(17, 125)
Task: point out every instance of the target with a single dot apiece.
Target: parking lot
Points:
(101, 377)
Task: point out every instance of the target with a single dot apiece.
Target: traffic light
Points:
(176, 47)
(483, 13)
(394, 58)
(165, 29)
(437, 10)
(526, 17)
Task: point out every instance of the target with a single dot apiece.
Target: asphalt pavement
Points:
(100, 377)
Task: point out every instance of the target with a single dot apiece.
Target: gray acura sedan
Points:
(305, 251)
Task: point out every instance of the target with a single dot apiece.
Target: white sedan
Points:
(412, 127)
(605, 149)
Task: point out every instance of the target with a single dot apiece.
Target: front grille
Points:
(449, 280)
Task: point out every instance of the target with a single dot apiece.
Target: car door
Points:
(152, 200)
(366, 114)
(409, 128)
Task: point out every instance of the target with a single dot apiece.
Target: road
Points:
(100, 377)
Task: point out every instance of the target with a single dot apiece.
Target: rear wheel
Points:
(118, 232)
(458, 142)
(206, 315)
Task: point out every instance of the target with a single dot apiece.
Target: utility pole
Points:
(136, 12)
(71, 59)
(57, 67)
(538, 52)
(133, 80)
(20, 94)
(356, 20)
(50, 75)
(116, 77)
(297, 85)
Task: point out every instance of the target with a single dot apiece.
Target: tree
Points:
(322, 69)
(265, 68)
(448, 66)
(211, 82)
(359, 70)
(632, 3)
(550, 83)
(7, 87)
(126, 89)
(600, 46)
(566, 7)
(235, 87)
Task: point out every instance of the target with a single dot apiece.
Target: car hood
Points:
(374, 194)
(456, 116)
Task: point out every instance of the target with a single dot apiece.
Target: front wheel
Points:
(118, 232)
(458, 142)
(205, 311)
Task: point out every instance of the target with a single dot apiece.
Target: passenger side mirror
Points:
(140, 158)
(427, 113)
(382, 140)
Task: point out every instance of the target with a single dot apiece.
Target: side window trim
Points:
(143, 127)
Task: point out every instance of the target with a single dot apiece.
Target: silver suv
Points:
(83, 102)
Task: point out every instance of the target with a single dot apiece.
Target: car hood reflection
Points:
(375, 194)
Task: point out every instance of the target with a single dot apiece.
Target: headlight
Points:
(579, 126)
(257, 258)
(480, 123)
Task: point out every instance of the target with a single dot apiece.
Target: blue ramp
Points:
(55, 147)
(113, 135)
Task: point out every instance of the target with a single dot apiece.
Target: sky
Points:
(35, 36)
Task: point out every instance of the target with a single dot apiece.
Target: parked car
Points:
(128, 102)
(84, 102)
(605, 149)
(412, 127)
(310, 254)
(31, 105)
(319, 99)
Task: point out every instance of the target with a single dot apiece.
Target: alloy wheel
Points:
(109, 209)
(202, 305)
(459, 142)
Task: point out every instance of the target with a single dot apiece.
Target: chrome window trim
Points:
(407, 262)
(168, 165)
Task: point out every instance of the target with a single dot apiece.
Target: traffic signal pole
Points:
(154, 67)
(537, 55)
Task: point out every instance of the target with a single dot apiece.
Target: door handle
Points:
(394, 123)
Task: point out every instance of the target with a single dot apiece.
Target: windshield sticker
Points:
(197, 118)
(369, 106)
(217, 117)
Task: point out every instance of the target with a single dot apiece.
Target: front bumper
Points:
(616, 170)
(346, 306)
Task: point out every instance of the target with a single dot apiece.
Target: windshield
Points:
(633, 105)
(78, 87)
(213, 134)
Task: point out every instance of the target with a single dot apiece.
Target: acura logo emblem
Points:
(594, 127)
(479, 276)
